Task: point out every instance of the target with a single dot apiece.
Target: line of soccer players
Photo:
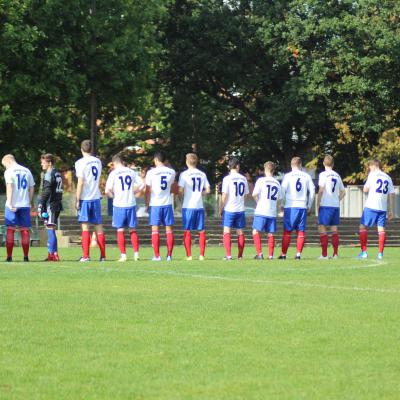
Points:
(295, 196)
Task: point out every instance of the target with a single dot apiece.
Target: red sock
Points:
(271, 244)
(241, 240)
(121, 241)
(202, 243)
(227, 244)
(134, 241)
(382, 240)
(301, 238)
(323, 238)
(257, 243)
(85, 243)
(363, 239)
(10, 241)
(101, 240)
(155, 242)
(170, 243)
(25, 241)
(335, 243)
(187, 241)
(286, 241)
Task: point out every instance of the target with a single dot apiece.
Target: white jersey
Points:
(89, 168)
(21, 180)
(332, 184)
(193, 182)
(268, 190)
(121, 182)
(298, 190)
(160, 180)
(380, 185)
(236, 187)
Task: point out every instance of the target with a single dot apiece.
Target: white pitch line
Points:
(257, 281)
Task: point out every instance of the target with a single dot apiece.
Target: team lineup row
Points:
(294, 195)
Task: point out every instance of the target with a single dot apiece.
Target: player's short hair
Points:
(328, 161)
(160, 156)
(8, 157)
(118, 159)
(86, 146)
(375, 162)
(270, 166)
(192, 159)
(296, 162)
(233, 163)
(48, 158)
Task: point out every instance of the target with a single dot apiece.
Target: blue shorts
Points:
(193, 219)
(329, 216)
(90, 212)
(21, 217)
(161, 215)
(124, 217)
(371, 217)
(294, 219)
(264, 224)
(235, 220)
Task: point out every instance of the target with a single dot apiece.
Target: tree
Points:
(55, 54)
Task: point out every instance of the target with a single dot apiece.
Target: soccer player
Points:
(266, 193)
(234, 190)
(331, 191)
(88, 171)
(159, 202)
(20, 188)
(193, 184)
(298, 194)
(379, 187)
(50, 203)
(122, 184)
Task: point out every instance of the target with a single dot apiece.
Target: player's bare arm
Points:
(79, 188)
(224, 197)
(147, 196)
(390, 205)
(365, 189)
(9, 195)
(31, 194)
(342, 194)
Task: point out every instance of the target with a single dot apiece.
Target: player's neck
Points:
(328, 169)
(86, 154)
(233, 171)
(191, 167)
(49, 169)
(296, 169)
(268, 175)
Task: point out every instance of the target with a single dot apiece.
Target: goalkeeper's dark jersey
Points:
(52, 190)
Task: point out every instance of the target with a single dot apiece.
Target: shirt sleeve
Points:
(341, 186)
(246, 187)
(225, 186)
(311, 189)
(78, 170)
(206, 183)
(148, 178)
(367, 184)
(256, 190)
(181, 182)
(322, 180)
(391, 187)
(8, 177)
(110, 182)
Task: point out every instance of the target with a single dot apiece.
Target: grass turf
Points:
(245, 329)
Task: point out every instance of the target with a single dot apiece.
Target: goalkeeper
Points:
(50, 203)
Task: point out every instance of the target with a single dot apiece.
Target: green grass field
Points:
(245, 329)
